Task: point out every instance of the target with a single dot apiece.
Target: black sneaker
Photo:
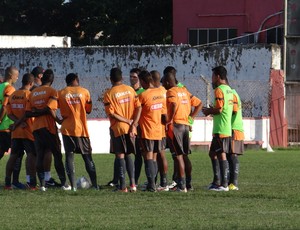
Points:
(51, 183)
(112, 184)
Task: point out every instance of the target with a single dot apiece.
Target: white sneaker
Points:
(174, 184)
(66, 187)
(222, 189)
(132, 189)
(43, 189)
(163, 189)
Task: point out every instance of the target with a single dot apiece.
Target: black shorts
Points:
(178, 139)
(5, 141)
(122, 144)
(77, 144)
(18, 145)
(220, 145)
(151, 145)
(44, 140)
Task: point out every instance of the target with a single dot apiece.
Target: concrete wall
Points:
(248, 70)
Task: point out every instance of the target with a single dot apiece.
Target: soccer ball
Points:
(83, 182)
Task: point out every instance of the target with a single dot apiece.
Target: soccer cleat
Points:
(144, 186)
(213, 187)
(132, 188)
(189, 187)
(172, 185)
(112, 184)
(163, 189)
(120, 190)
(8, 187)
(18, 185)
(151, 190)
(43, 189)
(222, 189)
(232, 187)
(51, 183)
(66, 187)
(180, 190)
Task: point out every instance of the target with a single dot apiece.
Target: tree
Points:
(90, 22)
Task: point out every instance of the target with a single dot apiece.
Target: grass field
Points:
(269, 198)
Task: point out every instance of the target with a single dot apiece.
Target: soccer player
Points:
(237, 143)
(49, 181)
(6, 89)
(22, 138)
(74, 103)
(173, 185)
(42, 106)
(138, 160)
(161, 160)
(222, 115)
(179, 103)
(123, 109)
(153, 103)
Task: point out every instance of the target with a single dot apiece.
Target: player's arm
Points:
(120, 118)
(197, 104)
(235, 104)
(7, 92)
(172, 106)
(17, 121)
(219, 103)
(136, 117)
(88, 106)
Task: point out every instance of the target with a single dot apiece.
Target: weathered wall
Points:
(248, 68)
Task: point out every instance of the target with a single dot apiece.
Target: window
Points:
(275, 35)
(206, 36)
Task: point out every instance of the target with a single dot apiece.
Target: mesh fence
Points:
(254, 94)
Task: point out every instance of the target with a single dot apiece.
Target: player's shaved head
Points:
(169, 80)
(156, 77)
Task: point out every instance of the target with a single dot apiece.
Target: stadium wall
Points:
(248, 71)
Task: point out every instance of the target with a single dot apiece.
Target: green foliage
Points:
(268, 199)
(90, 22)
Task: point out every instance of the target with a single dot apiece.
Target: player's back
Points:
(40, 98)
(72, 102)
(153, 103)
(17, 107)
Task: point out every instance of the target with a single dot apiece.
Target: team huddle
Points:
(152, 114)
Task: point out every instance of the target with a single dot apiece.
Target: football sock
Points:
(28, 178)
(70, 168)
(138, 163)
(181, 183)
(234, 169)
(59, 166)
(149, 168)
(116, 175)
(17, 169)
(216, 171)
(90, 168)
(155, 168)
(122, 168)
(224, 172)
(47, 175)
(130, 169)
(32, 181)
(163, 180)
(7, 181)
